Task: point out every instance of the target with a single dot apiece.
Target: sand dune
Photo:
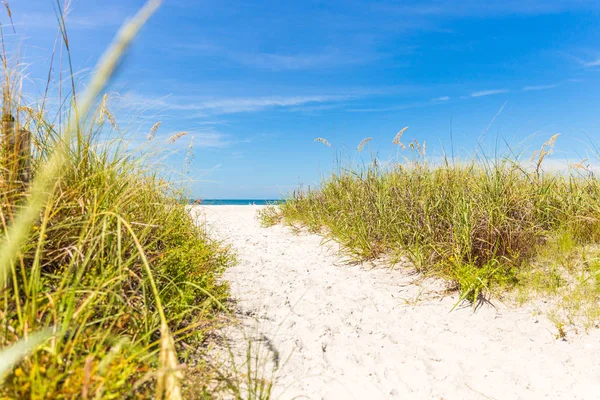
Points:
(355, 332)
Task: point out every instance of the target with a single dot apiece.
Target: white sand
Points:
(352, 332)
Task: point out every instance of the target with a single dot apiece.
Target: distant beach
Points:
(236, 202)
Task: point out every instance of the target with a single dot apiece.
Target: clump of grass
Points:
(269, 215)
(479, 224)
(567, 275)
(98, 251)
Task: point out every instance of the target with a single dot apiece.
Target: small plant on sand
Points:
(269, 215)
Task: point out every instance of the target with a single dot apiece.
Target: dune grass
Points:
(485, 225)
(108, 287)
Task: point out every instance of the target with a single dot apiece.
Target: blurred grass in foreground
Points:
(99, 256)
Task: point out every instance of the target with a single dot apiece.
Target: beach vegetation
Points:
(487, 225)
(108, 286)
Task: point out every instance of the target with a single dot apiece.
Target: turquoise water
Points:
(236, 202)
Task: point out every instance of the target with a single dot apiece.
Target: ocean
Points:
(235, 202)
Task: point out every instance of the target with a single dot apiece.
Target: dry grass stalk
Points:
(323, 141)
(189, 156)
(9, 12)
(153, 130)
(105, 113)
(546, 149)
(398, 136)
(170, 372)
(363, 143)
(176, 136)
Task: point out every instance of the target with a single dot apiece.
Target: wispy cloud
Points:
(252, 104)
(589, 64)
(489, 92)
(202, 138)
(591, 59)
(323, 58)
(442, 98)
(49, 20)
(392, 108)
(326, 59)
(477, 8)
(540, 87)
(205, 171)
(211, 139)
(227, 105)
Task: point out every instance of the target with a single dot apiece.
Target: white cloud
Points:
(211, 139)
(392, 108)
(223, 105)
(110, 17)
(478, 8)
(207, 138)
(323, 58)
(442, 98)
(295, 61)
(539, 87)
(249, 104)
(489, 92)
(595, 63)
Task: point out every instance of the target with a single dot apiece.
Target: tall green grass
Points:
(99, 254)
(480, 224)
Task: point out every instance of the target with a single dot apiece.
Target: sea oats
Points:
(324, 141)
(153, 130)
(102, 115)
(546, 149)
(534, 155)
(580, 165)
(111, 119)
(550, 143)
(363, 143)
(399, 135)
(9, 12)
(176, 136)
(189, 156)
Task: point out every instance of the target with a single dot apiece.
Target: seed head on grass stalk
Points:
(323, 141)
(363, 143)
(106, 114)
(189, 156)
(546, 149)
(176, 136)
(398, 137)
(153, 130)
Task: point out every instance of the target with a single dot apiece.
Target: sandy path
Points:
(357, 333)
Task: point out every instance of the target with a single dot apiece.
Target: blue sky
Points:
(255, 82)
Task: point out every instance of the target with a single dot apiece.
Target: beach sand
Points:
(357, 332)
